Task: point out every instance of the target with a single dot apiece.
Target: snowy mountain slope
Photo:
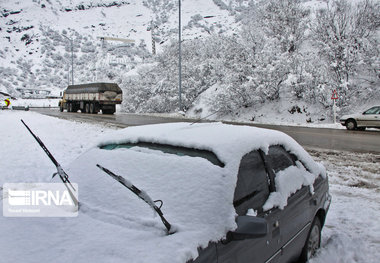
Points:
(287, 53)
(34, 54)
(252, 51)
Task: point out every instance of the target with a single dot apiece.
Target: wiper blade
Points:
(62, 174)
(142, 195)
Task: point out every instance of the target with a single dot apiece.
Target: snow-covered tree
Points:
(346, 38)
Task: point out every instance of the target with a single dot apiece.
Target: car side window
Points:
(252, 187)
(279, 159)
(374, 110)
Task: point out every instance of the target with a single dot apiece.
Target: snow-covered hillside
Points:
(35, 54)
(238, 56)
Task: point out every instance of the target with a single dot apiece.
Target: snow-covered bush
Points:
(346, 36)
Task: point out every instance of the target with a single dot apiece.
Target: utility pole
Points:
(153, 40)
(68, 75)
(72, 59)
(179, 58)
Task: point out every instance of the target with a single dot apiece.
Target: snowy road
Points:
(351, 233)
(357, 141)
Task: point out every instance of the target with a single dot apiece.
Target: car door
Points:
(252, 190)
(295, 218)
(370, 118)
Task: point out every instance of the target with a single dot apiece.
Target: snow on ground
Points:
(281, 116)
(351, 233)
(35, 102)
(22, 160)
(352, 230)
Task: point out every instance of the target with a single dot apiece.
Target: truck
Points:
(91, 98)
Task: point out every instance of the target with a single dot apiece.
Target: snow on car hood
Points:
(196, 195)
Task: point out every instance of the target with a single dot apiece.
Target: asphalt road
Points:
(332, 139)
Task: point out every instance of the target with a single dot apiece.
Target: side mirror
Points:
(249, 227)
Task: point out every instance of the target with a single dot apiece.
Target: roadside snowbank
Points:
(34, 102)
(352, 228)
(22, 159)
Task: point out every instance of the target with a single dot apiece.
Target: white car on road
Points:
(368, 119)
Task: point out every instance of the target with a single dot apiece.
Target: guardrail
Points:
(26, 108)
(20, 108)
(43, 107)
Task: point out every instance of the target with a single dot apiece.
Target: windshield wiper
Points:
(62, 174)
(245, 198)
(142, 195)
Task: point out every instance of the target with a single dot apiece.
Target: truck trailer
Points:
(91, 98)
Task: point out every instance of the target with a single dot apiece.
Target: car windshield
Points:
(169, 149)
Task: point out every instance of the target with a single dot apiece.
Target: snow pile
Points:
(22, 159)
(251, 212)
(35, 102)
(351, 232)
(288, 182)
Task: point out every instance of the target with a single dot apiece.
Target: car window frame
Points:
(269, 182)
(292, 156)
(376, 108)
(176, 150)
(271, 170)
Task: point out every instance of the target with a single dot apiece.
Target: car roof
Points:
(228, 142)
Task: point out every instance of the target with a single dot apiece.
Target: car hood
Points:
(351, 116)
(197, 197)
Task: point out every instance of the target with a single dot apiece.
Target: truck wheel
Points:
(69, 107)
(60, 108)
(75, 108)
(92, 108)
(87, 107)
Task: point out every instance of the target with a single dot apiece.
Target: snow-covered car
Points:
(368, 119)
(229, 194)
